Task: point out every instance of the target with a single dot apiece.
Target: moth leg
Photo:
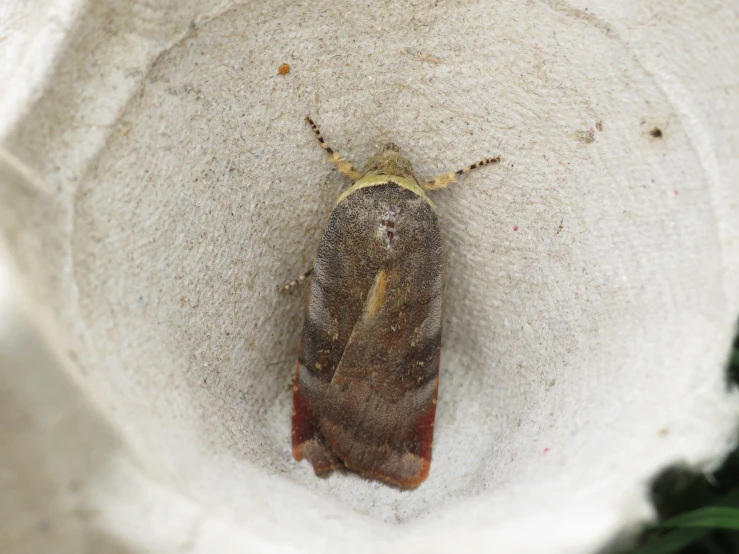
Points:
(442, 181)
(295, 282)
(344, 166)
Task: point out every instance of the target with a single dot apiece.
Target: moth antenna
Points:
(442, 181)
(343, 165)
(295, 282)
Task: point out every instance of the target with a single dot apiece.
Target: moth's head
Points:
(390, 162)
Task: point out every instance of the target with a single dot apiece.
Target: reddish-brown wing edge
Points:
(425, 430)
(307, 440)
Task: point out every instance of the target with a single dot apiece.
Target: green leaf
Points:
(672, 541)
(669, 538)
(734, 360)
(713, 517)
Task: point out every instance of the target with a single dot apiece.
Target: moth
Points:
(367, 378)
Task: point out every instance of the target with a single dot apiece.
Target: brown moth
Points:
(365, 389)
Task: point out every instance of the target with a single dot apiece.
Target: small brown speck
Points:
(284, 69)
(429, 58)
(656, 132)
(599, 125)
(586, 137)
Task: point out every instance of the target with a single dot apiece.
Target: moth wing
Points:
(381, 402)
(307, 440)
(367, 377)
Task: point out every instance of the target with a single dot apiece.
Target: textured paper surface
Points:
(158, 182)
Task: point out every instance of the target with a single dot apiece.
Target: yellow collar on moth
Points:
(373, 180)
